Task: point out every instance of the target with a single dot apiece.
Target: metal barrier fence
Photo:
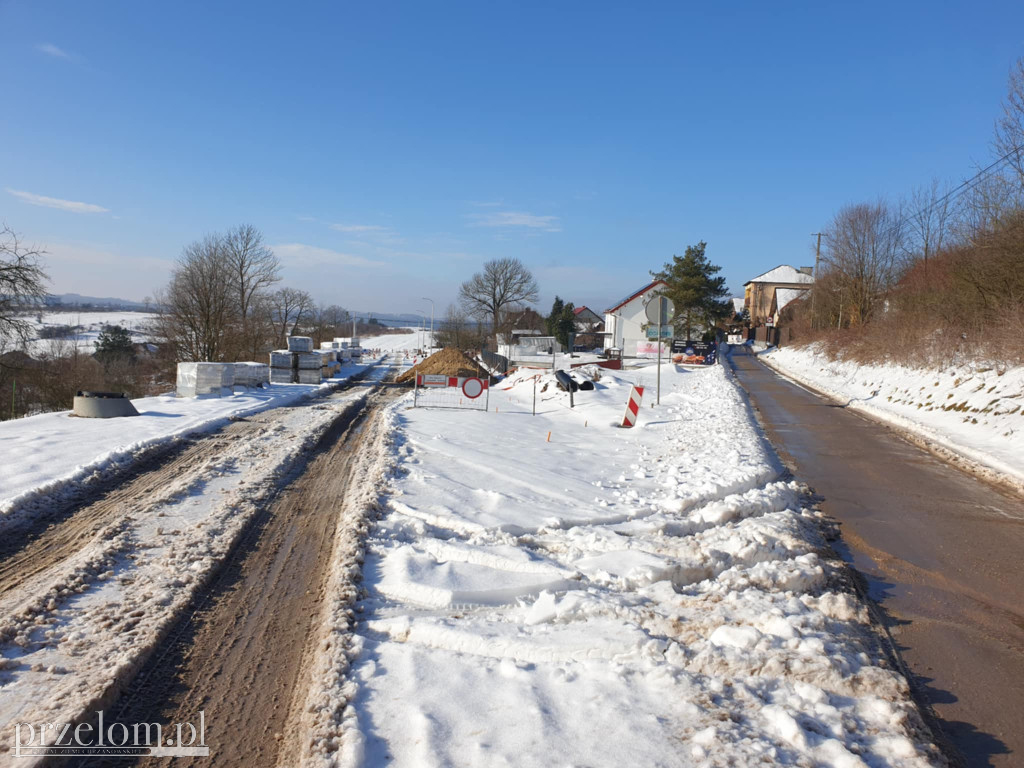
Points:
(471, 393)
(497, 363)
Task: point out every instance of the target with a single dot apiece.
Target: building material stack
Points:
(251, 375)
(308, 366)
(282, 367)
(196, 379)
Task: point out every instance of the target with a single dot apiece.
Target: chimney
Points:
(807, 270)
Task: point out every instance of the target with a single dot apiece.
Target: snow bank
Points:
(56, 454)
(973, 410)
(654, 596)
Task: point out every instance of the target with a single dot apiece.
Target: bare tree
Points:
(254, 268)
(454, 330)
(1009, 138)
(502, 284)
(862, 255)
(288, 307)
(324, 322)
(200, 302)
(929, 222)
(22, 283)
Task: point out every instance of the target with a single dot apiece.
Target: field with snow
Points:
(86, 328)
(974, 410)
(554, 590)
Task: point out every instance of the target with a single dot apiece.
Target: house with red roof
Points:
(624, 322)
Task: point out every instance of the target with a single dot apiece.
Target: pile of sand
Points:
(449, 361)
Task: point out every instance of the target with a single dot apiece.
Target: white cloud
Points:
(512, 219)
(55, 202)
(52, 50)
(357, 228)
(300, 255)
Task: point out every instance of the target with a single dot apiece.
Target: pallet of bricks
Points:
(331, 358)
(298, 364)
(195, 379)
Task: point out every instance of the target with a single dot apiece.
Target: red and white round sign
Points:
(472, 388)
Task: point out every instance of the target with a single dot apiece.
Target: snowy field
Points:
(974, 410)
(87, 327)
(553, 590)
(57, 452)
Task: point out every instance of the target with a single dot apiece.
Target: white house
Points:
(624, 323)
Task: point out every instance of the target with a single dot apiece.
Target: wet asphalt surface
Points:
(942, 553)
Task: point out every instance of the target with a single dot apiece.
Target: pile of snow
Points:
(971, 409)
(554, 589)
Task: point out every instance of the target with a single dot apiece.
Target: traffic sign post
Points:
(660, 310)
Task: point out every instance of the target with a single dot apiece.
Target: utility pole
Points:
(814, 288)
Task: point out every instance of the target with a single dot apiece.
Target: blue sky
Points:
(387, 150)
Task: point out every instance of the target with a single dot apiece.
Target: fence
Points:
(497, 363)
(469, 393)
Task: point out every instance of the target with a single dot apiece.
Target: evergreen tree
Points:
(113, 344)
(566, 325)
(561, 323)
(697, 291)
(552, 320)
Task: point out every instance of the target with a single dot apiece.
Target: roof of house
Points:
(786, 296)
(633, 295)
(782, 274)
(587, 312)
(738, 304)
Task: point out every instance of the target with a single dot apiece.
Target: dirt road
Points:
(242, 650)
(940, 550)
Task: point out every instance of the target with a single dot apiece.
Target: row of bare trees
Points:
(223, 302)
(946, 264)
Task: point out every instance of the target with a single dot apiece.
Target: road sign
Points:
(472, 387)
(660, 310)
(433, 380)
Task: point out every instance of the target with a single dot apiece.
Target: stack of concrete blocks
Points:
(308, 367)
(251, 375)
(300, 344)
(196, 379)
(329, 357)
(283, 366)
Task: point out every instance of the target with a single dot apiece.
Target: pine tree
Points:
(552, 320)
(697, 291)
(114, 343)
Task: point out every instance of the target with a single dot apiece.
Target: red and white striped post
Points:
(636, 394)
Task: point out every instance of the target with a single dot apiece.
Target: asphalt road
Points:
(941, 552)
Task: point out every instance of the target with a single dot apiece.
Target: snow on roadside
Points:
(56, 453)
(654, 596)
(74, 635)
(973, 410)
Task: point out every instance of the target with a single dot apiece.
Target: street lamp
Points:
(423, 322)
(431, 322)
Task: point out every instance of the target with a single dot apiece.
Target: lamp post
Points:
(423, 323)
(431, 322)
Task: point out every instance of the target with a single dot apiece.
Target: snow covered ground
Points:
(76, 632)
(57, 452)
(974, 410)
(86, 328)
(554, 590)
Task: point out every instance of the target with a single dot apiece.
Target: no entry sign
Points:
(472, 387)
